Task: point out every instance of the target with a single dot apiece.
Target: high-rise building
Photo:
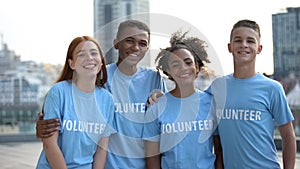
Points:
(107, 16)
(286, 42)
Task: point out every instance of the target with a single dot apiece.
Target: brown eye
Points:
(189, 63)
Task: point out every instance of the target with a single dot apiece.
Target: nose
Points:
(89, 56)
(244, 43)
(135, 47)
(184, 66)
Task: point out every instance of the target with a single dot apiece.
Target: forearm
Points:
(218, 152)
(101, 154)
(53, 152)
(288, 145)
(289, 152)
(152, 155)
(55, 157)
(153, 162)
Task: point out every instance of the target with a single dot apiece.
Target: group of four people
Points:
(96, 116)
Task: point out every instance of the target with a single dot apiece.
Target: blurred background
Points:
(35, 36)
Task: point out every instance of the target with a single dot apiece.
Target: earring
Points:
(101, 74)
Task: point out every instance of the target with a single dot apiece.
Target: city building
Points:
(286, 42)
(23, 85)
(107, 16)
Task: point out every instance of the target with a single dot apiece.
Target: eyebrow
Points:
(84, 50)
(184, 60)
(132, 38)
(93, 49)
(79, 51)
(239, 37)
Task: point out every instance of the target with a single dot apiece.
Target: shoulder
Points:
(269, 82)
(60, 86)
(219, 82)
(100, 91)
(111, 67)
(204, 96)
(146, 70)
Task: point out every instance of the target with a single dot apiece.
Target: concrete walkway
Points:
(24, 155)
(21, 155)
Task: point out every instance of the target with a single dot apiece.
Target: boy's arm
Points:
(46, 128)
(152, 155)
(218, 152)
(288, 145)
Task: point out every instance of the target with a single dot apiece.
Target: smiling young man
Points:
(130, 86)
(247, 105)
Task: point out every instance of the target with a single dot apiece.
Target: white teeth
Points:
(184, 75)
(89, 66)
(133, 55)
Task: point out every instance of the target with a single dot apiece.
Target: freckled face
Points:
(182, 67)
(86, 59)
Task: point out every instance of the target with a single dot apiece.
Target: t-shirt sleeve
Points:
(279, 106)
(52, 106)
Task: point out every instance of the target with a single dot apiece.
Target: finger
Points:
(49, 121)
(48, 131)
(52, 121)
(151, 101)
(40, 116)
(154, 98)
(159, 94)
(47, 135)
(52, 125)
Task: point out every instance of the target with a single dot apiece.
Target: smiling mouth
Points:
(243, 52)
(184, 75)
(91, 66)
(133, 55)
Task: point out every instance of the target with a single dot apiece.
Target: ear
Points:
(229, 47)
(259, 49)
(197, 69)
(116, 44)
(71, 64)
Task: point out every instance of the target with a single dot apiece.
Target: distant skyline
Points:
(42, 30)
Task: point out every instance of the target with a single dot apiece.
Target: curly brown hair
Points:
(179, 40)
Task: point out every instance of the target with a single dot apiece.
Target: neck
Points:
(127, 69)
(85, 84)
(183, 92)
(244, 71)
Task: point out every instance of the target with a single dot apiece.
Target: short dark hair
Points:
(132, 23)
(246, 23)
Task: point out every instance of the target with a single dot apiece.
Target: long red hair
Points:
(67, 72)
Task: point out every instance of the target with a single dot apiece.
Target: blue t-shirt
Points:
(84, 119)
(130, 93)
(184, 129)
(247, 110)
